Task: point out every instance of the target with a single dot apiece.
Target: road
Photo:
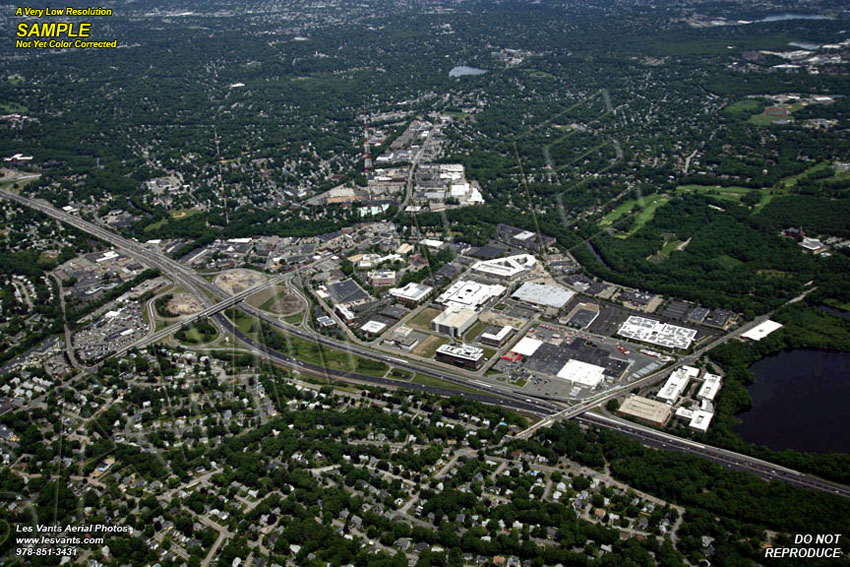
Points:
(496, 395)
(590, 403)
(766, 470)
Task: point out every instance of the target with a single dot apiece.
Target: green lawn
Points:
(650, 205)
(436, 382)
(422, 320)
(766, 119)
(314, 353)
(669, 247)
(747, 105)
(175, 215)
(474, 331)
(614, 215)
(429, 346)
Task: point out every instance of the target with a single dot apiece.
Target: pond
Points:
(463, 70)
(800, 402)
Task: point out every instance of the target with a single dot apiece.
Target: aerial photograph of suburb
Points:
(425, 283)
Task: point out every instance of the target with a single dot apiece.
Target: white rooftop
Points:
(412, 291)
(498, 336)
(373, 327)
(700, 420)
(583, 373)
(527, 346)
(543, 294)
(468, 352)
(674, 386)
(710, 387)
(432, 243)
(762, 330)
(506, 267)
(465, 293)
(655, 332)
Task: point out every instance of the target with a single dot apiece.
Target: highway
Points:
(766, 470)
(494, 394)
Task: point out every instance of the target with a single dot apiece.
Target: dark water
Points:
(801, 401)
(786, 17)
(833, 311)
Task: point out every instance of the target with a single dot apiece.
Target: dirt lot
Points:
(277, 300)
(184, 304)
(237, 281)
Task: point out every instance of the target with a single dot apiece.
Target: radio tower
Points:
(367, 153)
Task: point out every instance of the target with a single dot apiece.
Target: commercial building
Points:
(411, 294)
(646, 410)
(345, 313)
(505, 268)
(523, 238)
(582, 373)
(701, 420)
(404, 338)
(373, 327)
(347, 292)
(657, 333)
(498, 338)
(454, 321)
(468, 294)
(465, 356)
(676, 384)
(710, 387)
(381, 278)
(527, 346)
(762, 330)
(545, 295)
(433, 243)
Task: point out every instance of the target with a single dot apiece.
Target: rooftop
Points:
(543, 294)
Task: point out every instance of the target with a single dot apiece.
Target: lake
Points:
(463, 70)
(800, 402)
(785, 17)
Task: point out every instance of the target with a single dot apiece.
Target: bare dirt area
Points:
(278, 300)
(183, 304)
(237, 281)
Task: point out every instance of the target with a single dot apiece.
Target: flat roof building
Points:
(412, 294)
(380, 278)
(657, 333)
(373, 327)
(646, 410)
(527, 346)
(505, 268)
(454, 321)
(582, 373)
(701, 420)
(498, 338)
(523, 238)
(543, 294)
(465, 356)
(710, 387)
(676, 384)
(762, 330)
(469, 294)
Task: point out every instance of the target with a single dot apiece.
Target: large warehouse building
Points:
(582, 373)
(545, 295)
(657, 333)
(646, 410)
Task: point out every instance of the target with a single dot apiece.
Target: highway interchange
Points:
(491, 393)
